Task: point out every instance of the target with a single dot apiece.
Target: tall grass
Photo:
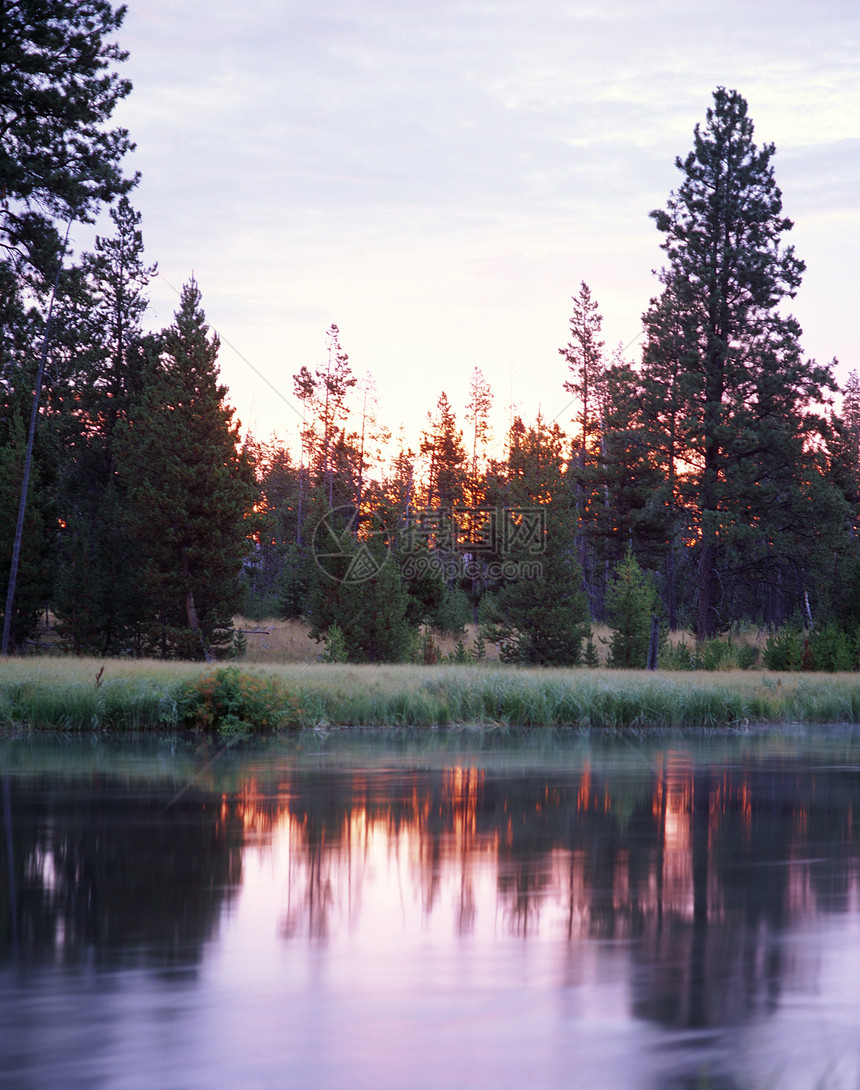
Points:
(71, 694)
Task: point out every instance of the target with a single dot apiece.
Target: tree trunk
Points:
(191, 609)
(706, 615)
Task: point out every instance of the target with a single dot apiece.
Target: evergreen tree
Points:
(442, 444)
(584, 355)
(744, 390)
(843, 455)
(631, 601)
(845, 462)
(668, 376)
(58, 160)
(34, 566)
(277, 572)
(357, 586)
(541, 618)
(851, 413)
(190, 490)
(371, 437)
(478, 415)
(100, 616)
(119, 278)
(540, 615)
(324, 392)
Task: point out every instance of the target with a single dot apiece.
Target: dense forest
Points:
(712, 481)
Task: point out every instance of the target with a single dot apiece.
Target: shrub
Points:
(786, 649)
(239, 647)
(726, 654)
(831, 650)
(590, 657)
(677, 656)
(459, 655)
(230, 701)
(478, 650)
(747, 656)
(335, 645)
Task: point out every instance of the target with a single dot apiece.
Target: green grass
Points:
(63, 694)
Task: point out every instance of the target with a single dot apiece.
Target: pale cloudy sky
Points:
(437, 178)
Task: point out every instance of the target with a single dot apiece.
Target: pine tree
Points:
(108, 350)
(277, 572)
(58, 160)
(844, 453)
(119, 279)
(539, 616)
(584, 355)
(851, 419)
(744, 387)
(631, 601)
(190, 488)
(371, 437)
(33, 585)
(357, 586)
(442, 445)
(324, 392)
(478, 415)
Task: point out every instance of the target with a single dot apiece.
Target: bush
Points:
(747, 656)
(831, 651)
(335, 645)
(459, 655)
(676, 656)
(786, 649)
(233, 702)
(726, 654)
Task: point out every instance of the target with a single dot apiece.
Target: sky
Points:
(438, 178)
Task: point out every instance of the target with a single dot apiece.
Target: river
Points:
(432, 910)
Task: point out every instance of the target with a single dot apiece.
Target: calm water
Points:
(438, 911)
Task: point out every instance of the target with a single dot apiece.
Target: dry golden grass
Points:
(274, 641)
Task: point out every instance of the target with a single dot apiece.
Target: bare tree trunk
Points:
(706, 615)
(191, 610)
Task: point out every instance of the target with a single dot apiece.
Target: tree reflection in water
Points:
(696, 868)
(702, 867)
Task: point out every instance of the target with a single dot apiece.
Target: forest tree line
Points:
(715, 479)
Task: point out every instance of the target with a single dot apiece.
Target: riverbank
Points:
(130, 695)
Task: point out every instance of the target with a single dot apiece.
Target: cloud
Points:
(437, 179)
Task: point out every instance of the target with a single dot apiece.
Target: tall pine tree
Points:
(744, 391)
(98, 614)
(191, 490)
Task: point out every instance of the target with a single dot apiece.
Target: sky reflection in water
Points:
(403, 916)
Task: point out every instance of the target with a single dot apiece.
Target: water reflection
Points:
(612, 855)
(675, 883)
(97, 869)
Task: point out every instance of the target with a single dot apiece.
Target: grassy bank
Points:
(72, 694)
